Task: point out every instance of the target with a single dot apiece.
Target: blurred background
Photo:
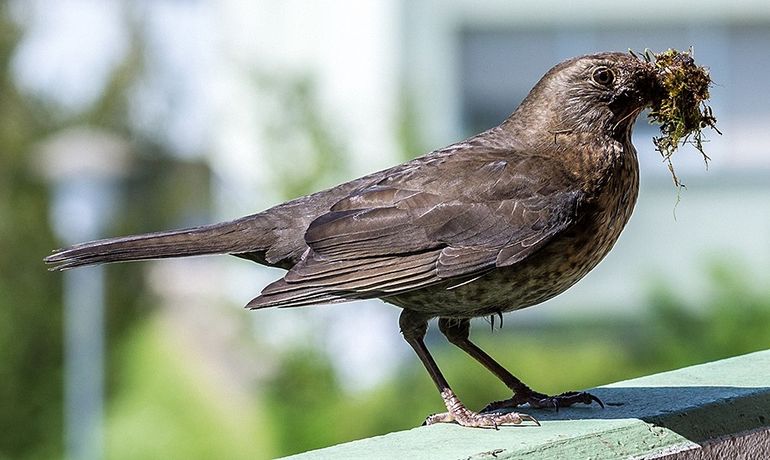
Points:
(121, 117)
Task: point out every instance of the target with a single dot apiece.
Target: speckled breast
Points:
(550, 271)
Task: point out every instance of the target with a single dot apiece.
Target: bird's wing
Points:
(455, 219)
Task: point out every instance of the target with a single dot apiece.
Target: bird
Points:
(500, 221)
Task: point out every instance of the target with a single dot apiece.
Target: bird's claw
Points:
(458, 413)
(542, 401)
(574, 397)
(469, 418)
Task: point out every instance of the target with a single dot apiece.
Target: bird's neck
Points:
(592, 153)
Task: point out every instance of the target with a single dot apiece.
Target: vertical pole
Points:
(84, 358)
(81, 209)
(84, 167)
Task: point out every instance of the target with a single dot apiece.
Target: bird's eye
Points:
(603, 76)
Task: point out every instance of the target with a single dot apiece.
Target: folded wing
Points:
(414, 230)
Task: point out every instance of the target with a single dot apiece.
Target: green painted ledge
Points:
(664, 415)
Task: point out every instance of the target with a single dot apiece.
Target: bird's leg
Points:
(457, 331)
(413, 327)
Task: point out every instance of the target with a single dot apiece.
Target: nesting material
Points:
(680, 105)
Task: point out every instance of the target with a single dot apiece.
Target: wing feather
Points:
(408, 232)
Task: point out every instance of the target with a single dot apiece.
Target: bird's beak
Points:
(643, 87)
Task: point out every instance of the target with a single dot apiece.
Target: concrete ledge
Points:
(697, 412)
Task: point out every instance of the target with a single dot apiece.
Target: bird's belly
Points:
(540, 278)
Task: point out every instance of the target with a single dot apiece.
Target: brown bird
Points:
(501, 221)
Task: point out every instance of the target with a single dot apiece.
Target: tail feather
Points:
(242, 235)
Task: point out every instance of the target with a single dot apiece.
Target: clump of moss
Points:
(680, 107)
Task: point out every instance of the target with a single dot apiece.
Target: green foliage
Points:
(31, 354)
(170, 407)
(735, 320)
(299, 402)
(30, 317)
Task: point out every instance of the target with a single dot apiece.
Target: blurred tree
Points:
(161, 192)
(734, 320)
(30, 313)
(304, 397)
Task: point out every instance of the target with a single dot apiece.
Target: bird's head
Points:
(599, 93)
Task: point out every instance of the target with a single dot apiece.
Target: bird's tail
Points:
(238, 236)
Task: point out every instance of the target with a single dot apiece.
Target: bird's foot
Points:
(458, 413)
(543, 401)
